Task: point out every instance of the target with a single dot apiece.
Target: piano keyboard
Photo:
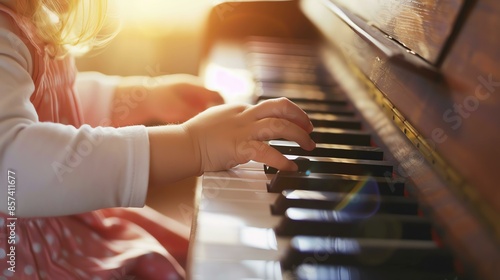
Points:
(343, 215)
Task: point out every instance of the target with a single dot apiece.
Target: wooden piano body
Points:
(423, 78)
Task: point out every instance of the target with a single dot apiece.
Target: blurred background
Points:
(156, 37)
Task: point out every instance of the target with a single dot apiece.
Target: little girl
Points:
(67, 172)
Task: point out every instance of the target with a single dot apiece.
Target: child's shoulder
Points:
(7, 20)
(13, 24)
(19, 32)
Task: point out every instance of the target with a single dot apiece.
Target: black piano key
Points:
(282, 48)
(338, 272)
(299, 59)
(287, 75)
(312, 107)
(313, 96)
(334, 121)
(340, 136)
(329, 150)
(289, 68)
(287, 63)
(284, 60)
(280, 41)
(301, 221)
(319, 107)
(357, 203)
(408, 254)
(338, 166)
(284, 180)
(262, 70)
(298, 88)
(301, 92)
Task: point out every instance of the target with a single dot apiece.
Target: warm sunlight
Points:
(160, 16)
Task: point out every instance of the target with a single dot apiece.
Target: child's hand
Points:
(161, 100)
(177, 98)
(225, 136)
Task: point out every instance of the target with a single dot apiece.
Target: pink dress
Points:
(116, 243)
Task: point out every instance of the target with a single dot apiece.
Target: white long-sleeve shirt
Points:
(60, 169)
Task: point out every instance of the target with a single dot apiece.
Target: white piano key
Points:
(239, 195)
(216, 184)
(236, 207)
(252, 165)
(209, 218)
(230, 270)
(226, 242)
(235, 252)
(238, 174)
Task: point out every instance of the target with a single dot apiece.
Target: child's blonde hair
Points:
(67, 25)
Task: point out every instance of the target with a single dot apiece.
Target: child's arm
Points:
(160, 100)
(123, 101)
(61, 169)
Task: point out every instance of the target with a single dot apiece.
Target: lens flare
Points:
(362, 201)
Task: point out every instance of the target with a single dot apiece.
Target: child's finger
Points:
(270, 156)
(273, 128)
(281, 108)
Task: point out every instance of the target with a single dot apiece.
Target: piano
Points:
(403, 182)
